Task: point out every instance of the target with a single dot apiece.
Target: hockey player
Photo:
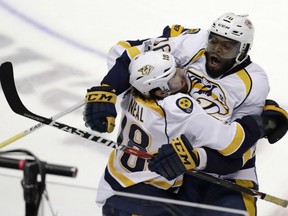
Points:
(153, 114)
(223, 79)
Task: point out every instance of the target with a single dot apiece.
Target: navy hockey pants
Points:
(200, 191)
(126, 206)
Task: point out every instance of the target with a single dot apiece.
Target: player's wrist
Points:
(202, 158)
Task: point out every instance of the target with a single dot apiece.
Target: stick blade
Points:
(9, 88)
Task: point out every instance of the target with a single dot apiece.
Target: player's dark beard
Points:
(214, 73)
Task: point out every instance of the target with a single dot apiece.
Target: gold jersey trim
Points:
(236, 142)
(163, 184)
(247, 155)
(151, 104)
(276, 109)
(249, 201)
(198, 55)
(124, 44)
(243, 75)
(176, 30)
(126, 181)
(133, 51)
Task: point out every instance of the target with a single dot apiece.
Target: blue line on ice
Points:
(50, 31)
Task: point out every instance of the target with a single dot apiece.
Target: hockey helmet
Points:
(238, 28)
(152, 70)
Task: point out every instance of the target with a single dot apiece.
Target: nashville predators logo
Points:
(185, 104)
(209, 95)
(165, 57)
(147, 69)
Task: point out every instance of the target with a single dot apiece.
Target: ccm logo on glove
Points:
(183, 153)
(101, 96)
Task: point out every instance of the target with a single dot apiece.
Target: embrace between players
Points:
(194, 99)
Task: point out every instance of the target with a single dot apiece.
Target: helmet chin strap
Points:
(237, 62)
(237, 59)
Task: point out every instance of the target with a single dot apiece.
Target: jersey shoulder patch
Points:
(176, 30)
(185, 104)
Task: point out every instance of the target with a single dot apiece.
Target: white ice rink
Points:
(58, 49)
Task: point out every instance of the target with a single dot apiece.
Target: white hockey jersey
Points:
(240, 92)
(147, 125)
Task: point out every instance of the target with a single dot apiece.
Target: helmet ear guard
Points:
(152, 70)
(238, 28)
(242, 56)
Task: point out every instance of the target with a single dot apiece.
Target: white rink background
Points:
(58, 49)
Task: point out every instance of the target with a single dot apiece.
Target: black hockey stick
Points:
(15, 103)
(239, 188)
(12, 97)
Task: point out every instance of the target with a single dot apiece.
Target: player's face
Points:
(178, 81)
(220, 55)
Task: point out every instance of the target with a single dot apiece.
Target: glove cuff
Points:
(202, 155)
(276, 109)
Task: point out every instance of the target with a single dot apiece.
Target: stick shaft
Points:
(15, 103)
(239, 188)
(39, 125)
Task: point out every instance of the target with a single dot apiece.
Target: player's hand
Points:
(278, 118)
(100, 111)
(174, 159)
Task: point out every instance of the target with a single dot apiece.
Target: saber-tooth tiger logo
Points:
(208, 94)
(146, 70)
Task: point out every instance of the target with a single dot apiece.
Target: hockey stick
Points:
(39, 125)
(239, 188)
(12, 97)
(15, 103)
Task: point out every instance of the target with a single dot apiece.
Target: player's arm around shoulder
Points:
(185, 116)
(189, 46)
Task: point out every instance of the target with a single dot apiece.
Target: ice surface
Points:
(58, 49)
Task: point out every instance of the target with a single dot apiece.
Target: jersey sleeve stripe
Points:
(124, 44)
(176, 30)
(133, 51)
(236, 142)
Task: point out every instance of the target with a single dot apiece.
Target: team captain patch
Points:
(185, 104)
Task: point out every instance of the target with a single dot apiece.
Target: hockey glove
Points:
(174, 159)
(279, 121)
(100, 111)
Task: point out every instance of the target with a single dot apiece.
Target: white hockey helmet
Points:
(152, 70)
(235, 27)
